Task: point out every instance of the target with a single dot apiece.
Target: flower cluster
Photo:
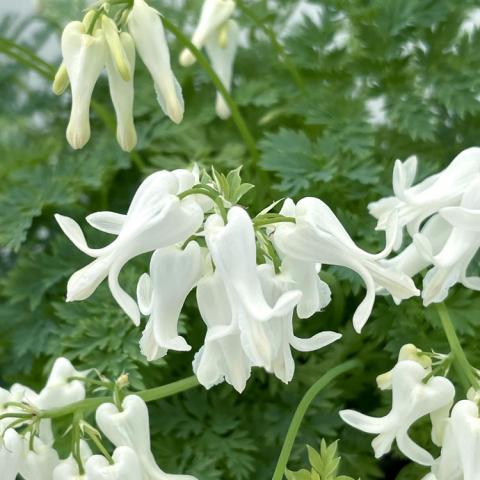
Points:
(251, 274)
(442, 216)
(27, 446)
(417, 392)
(99, 42)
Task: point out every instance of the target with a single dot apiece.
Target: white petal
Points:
(122, 92)
(316, 342)
(145, 294)
(214, 13)
(462, 217)
(108, 222)
(146, 28)
(222, 58)
(84, 59)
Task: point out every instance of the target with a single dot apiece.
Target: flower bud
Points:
(61, 80)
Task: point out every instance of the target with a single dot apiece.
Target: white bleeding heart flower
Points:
(214, 14)
(316, 293)
(412, 399)
(122, 92)
(451, 261)
(219, 34)
(11, 450)
(145, 26)
(38, 463)
(126, 466)
(68, 469)
(173, 274)
(319, 237)
(130, 428)
(222, 356)
(60, 390)
(84, 57)
(415, 203)
(155, 219)
(232, 247)
(221, 49)
(280, 330)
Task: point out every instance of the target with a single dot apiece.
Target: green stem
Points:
(205, 64)
(461, 362)
(259, 222)
(93, 435)
(301, 410)
(277, 46)
(149, 395)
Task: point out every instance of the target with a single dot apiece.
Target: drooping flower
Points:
(451, 261)
(145, 25)
(39, 462)
(155, 219)
(232, 247)
(219, 34)
(130, 428)
(222, 356)
(318, 237)
(280, 330)
(68, 469)
(411, 400)
(316, 293)
(60, 390)
(173, 274)
(459, 459)
(11, 448)
(415, 203)
(126, 466)
(84, 58)
(120, 81)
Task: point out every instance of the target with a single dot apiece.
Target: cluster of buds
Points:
(251, 275)
(100, 41)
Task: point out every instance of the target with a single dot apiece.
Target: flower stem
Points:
(277, 46)
(463, 367)
(149, 395)
(301, 410)
(205, 64)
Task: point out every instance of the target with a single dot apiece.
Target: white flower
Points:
(155, 219)
(213, 16)
(459, 459)
(145, 26)
(415, 203)
(68, 469)
(38, 463)
(60, 390)
(316, 293)
(173, 274)
(222, 357)
(84, 59)
(233, 250)
(280, 330)
(11, 448)
(126, 466)
(451, 261)
(219, 34)
(319, 237)
(130, 428)
(122, 92)
(221, 50)
(411, 400)
(411, 260)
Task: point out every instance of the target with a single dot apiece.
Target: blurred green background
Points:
(383, 79)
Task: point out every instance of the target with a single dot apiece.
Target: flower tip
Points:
(78, 137)
(186, 58)
(222, 109)
(127, 139)
(175, 113)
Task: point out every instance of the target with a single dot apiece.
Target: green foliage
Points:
(406, 58)
(325, 464)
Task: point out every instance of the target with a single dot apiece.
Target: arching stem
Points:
(205, 64)
(301, 410)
